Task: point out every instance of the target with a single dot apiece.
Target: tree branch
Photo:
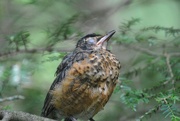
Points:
(15, 97)
(20, 116)
(175, 54)
(149, 52)
(31, 51)
(143, 50)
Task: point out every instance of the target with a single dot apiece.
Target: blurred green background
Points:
(52, 28)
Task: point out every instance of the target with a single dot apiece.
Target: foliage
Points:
(165, 92)
(62, 30)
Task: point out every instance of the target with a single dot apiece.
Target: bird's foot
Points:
(70, 119)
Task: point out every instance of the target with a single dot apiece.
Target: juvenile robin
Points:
(84, 81)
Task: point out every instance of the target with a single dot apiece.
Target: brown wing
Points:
(66, 64)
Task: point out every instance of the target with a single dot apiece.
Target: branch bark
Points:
(15, 97)
(20, 116)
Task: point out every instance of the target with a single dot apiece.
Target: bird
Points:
(84, 82)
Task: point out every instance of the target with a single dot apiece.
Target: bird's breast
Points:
(87, 86)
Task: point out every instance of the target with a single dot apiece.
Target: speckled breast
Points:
(88, 85)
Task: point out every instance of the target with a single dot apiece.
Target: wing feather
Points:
(66, 63)
(60, 74)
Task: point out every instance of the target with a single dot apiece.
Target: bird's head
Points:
(94, 41)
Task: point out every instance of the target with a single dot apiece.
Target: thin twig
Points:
(15, 97)
(150, 111)
(169, 68)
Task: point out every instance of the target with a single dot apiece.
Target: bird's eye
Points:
(91, 41)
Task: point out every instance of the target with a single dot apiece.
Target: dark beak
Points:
(105, 38)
